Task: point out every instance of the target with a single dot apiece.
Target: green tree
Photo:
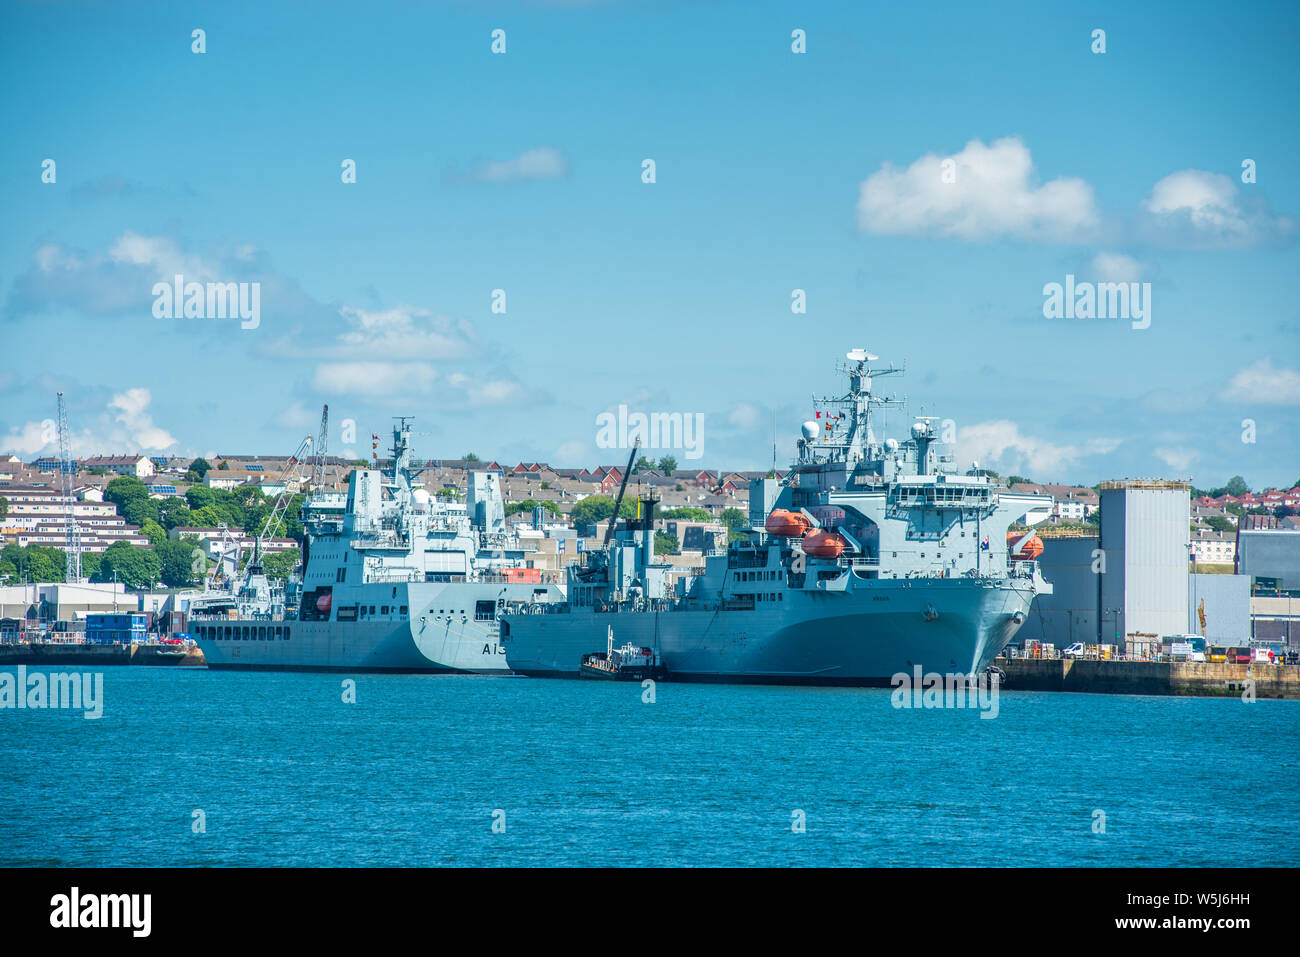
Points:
(643, 464)
(1237, 486)
(90, 565)
(134, 567)
(666, 544)
(667, 464)
(4, 507)
(1219, 523)
(198, 496)
(279, 565)
(737, 523)
(200, 467)
(224, 466)
(36, 563)
(173, 512)
(45, 563)
(181, 563)
(688, 514)
(471, 457)
(1019, 480)
(151, 530)
(597, 508)
(451, 494)
(131, 496)
(527, 505)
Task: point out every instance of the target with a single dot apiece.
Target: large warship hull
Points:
(863, 636)
(441, 633)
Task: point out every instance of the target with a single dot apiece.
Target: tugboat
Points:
(628, 663)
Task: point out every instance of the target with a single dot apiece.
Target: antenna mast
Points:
(72, 536)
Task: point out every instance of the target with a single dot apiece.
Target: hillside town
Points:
(142, 502)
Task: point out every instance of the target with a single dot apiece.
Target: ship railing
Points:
(859, 562)
(545, 579)
(1022, 568)
(392, 578)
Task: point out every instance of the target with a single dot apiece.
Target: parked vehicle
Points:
(1075, 650)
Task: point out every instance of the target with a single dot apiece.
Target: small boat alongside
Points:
(628, 663)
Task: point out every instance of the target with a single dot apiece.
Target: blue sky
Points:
(775, 171)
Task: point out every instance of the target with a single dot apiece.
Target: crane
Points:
(72, 536)
(322, 446)
(292, 483)
(618, 503)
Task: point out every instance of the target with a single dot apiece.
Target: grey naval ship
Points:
(392, 579)
(869, 558)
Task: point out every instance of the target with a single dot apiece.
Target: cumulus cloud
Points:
(406, 331)
(374, 379)
(1115, 267)
(130, 410)
(119, 279)
(544, 162)
(993, 193)
(1177, 458)
(484, 391)
(1002, 445)
(124, 426)
(1263, 383)
(1200, 208)
(745, 416)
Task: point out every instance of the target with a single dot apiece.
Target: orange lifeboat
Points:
(821, 544)
(1024, 545)
(784, 523)
(323, 604)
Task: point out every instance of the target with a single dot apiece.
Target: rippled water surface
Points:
(416, 771)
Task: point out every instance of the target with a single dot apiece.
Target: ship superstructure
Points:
(392, 579)
(868, 558)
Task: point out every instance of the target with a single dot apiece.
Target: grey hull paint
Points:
(860, 638)
(440, 643)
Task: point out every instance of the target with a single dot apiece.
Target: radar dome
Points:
(891, 444)
(420, 497)
(918, 429)
(809, 429)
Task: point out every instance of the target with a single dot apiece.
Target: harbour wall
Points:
(1149, 677)
(59, 655)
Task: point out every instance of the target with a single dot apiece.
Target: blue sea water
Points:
(585, 773)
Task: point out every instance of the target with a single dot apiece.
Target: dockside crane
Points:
(322, 447)
(618, 502)
(292, 484)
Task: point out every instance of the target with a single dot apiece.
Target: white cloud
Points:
(745, 416)
(374, 378)
(993, 195)
(1000, 444)
(27, 439)
(1261, 383)
(544, 162)
(407, 331)
(571, 451)
(296, 417)
(1202, 208)
(1178, 458)
(125, 426)
(160, 254)
(481, 392)
(1115, 267)
(129, 408)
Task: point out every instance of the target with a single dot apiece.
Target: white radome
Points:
(809, 430)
